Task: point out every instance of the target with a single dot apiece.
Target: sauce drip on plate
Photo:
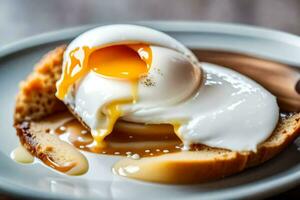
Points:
(120, 142)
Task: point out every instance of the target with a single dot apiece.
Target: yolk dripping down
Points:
(121, 62)
(126, 62)
(113, 112)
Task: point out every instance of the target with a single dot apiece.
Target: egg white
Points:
(119, 34)
(227, 111)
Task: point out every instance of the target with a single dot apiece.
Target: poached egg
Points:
(140, 75)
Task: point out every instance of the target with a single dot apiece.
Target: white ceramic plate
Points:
(36, 180)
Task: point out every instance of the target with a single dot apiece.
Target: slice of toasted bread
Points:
(36, 100)
(36, 97)
(209, 163)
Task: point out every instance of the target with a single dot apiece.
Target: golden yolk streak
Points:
(124, 62)
(176, 126)
(68, 76)
(113, 112)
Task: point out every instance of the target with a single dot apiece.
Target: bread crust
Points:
(39, 88)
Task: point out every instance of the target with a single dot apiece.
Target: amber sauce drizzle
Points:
(120, 142)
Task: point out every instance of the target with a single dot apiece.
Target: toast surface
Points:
(36, 100)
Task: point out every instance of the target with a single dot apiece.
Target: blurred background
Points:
(23, 18)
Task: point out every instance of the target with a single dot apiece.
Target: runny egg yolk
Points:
(121, 62)
(125, 62)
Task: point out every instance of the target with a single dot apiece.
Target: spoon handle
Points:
(280, 79)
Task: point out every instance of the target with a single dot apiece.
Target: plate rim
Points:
(279, 185)
(232, 29)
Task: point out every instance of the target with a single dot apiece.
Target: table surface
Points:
(23, 18)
